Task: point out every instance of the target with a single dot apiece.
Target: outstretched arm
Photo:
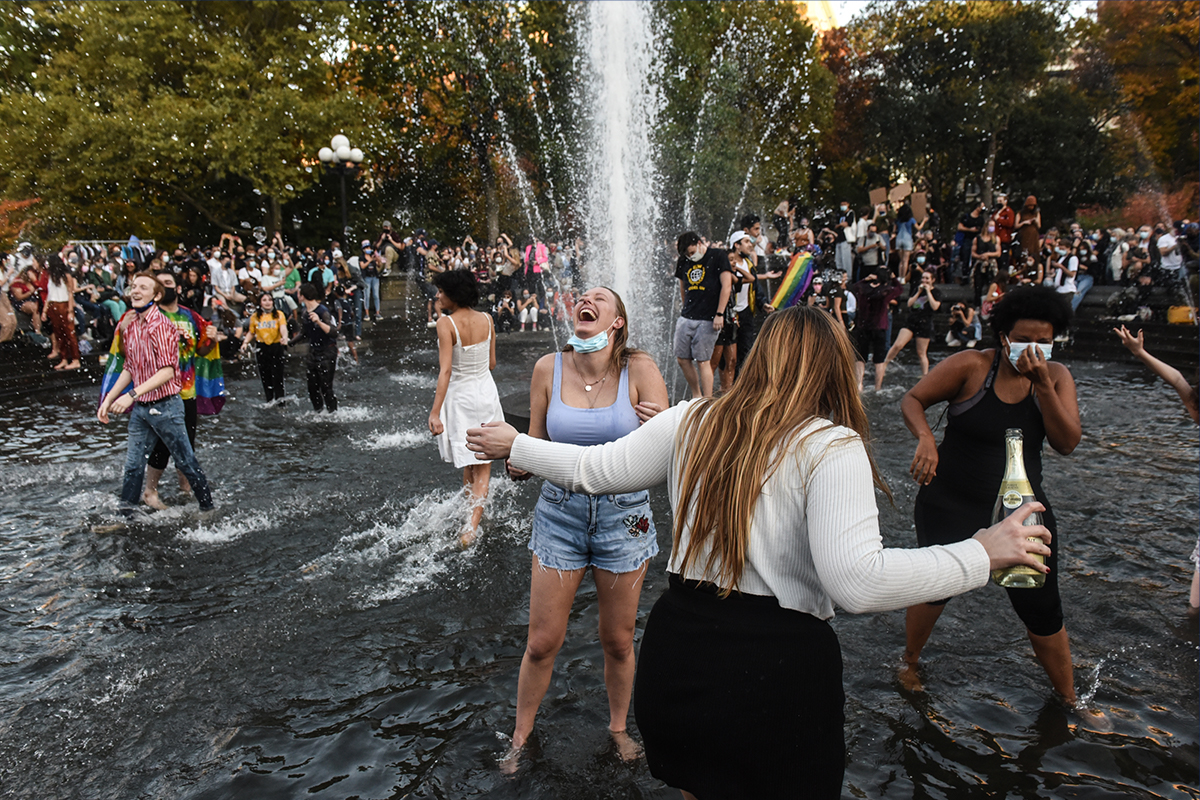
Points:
(638, 461)
(1172, 376)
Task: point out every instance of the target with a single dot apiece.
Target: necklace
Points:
(587, 387)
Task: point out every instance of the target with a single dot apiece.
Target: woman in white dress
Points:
(466, 394)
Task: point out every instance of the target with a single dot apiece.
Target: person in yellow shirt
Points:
(268, 329)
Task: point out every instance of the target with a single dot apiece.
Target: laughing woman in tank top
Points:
(1014, 385)
(596, 390)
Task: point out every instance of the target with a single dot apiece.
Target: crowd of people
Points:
(878, 272)
(760, 553)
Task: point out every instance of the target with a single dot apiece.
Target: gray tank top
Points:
(588, 426)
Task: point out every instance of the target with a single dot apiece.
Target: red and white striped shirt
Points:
(151, 342)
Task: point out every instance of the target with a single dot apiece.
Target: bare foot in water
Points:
(910, 679)
(512, 760)
(466, 537)
(1093, 719)
(152, 499)
(627, 748)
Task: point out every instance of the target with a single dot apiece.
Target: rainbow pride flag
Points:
(200, 376)
(795, 281)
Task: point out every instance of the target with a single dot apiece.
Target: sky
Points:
(847, 9)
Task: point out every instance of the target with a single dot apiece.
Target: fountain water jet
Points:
(621, 181)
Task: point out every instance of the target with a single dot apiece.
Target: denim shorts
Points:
(613, 532)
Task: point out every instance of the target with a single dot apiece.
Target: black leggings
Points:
(271, 369)
(161, 455)
(322, 365)
(1041, 610)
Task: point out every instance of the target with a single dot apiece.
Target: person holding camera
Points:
(965, 326)
(922, 303)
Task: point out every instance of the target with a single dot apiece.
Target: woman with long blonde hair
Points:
(738, 690)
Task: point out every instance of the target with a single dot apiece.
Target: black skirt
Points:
(739, 698)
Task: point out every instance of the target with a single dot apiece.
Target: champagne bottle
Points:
(1016, 491)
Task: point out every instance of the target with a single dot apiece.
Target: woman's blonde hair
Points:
(801, 368)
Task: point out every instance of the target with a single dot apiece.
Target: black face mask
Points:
(169, 296)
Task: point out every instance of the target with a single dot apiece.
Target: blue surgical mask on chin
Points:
(590, 345)
(1016, 348)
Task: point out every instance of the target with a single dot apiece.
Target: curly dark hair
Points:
(459, 286)
(1031, 302)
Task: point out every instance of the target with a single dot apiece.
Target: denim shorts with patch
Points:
(613, 532)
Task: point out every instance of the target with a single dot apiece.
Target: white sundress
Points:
(471, 398)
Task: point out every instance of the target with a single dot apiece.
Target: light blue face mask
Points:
(590, 345)
(1016, 348)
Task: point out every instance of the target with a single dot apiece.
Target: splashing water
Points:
(397, 440)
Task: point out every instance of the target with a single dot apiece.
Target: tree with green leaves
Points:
(944, 81)
(466, 90)
(747, 101)
(169, 117)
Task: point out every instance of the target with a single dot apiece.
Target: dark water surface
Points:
(324, 637)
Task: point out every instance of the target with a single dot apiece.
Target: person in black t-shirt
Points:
(321, 330)
(705, 285)
(969, 227)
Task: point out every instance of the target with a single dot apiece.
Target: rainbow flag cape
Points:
(795, 281)
(200, 377)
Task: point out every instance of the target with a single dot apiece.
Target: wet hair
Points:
(749, 221)
(1040, 303)
(459, 287)
(686, 240)
(310, 292)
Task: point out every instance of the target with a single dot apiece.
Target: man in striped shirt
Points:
(151, 343)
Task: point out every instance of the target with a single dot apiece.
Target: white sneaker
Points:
(431, 324)
(972, 343)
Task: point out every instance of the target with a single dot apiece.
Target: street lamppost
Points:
(342, 159)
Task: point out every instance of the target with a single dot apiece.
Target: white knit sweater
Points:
(814, 534)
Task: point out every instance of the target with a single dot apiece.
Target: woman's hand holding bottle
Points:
(1011, 542)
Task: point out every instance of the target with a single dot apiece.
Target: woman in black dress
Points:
(989, 391)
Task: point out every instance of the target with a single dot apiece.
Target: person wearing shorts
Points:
(596, 390)
(922, 303)
(705, 288)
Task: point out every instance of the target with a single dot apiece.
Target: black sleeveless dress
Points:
(959, 499)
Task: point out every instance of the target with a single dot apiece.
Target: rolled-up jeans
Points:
(1083, 284)
(357, 300)
(148, 423)
(372, 296)
(844, 258)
